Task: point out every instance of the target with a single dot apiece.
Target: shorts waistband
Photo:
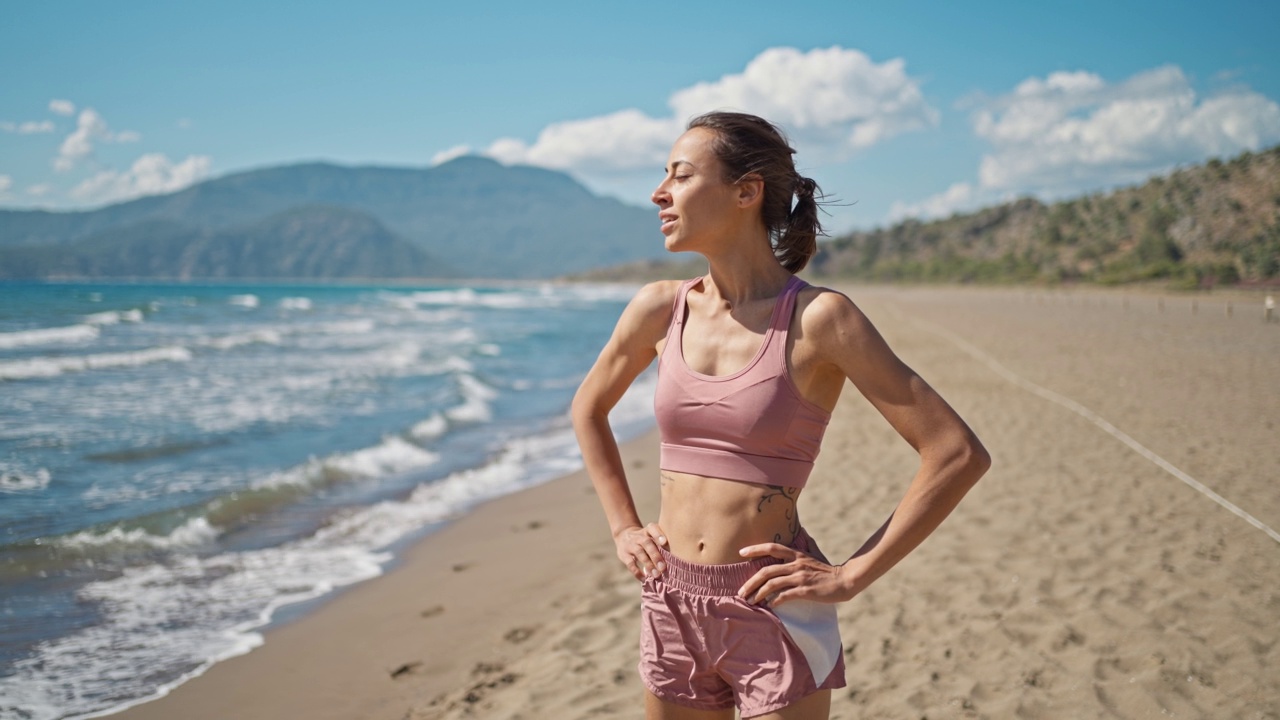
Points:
(717, 580)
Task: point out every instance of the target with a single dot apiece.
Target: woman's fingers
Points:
(803, 577)
(754, 589)
(654, 538)
(638, 551)
(778, 550)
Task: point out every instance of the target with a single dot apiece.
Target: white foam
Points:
(295, 303)
(393, 455)
(205, 610)
(45, 336)
(193, 533)
(15, 479)
(432, 427)
(226, 342)
(475, 401)
(246, 301)
(341, 327)
(468, 297)
(112, 317)
(601, 292)
(52, 366)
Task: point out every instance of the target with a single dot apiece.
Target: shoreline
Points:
(375, 648)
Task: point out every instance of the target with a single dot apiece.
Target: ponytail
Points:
(799, 240)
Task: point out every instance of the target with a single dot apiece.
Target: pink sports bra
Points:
(753, 425)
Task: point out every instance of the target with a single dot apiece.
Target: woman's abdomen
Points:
(708, 520)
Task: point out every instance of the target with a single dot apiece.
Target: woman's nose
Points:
(659, 195)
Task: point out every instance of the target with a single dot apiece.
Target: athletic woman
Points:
(738, 603)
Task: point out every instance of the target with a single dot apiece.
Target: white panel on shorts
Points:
(815, 630)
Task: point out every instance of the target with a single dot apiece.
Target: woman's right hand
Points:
(638, 550)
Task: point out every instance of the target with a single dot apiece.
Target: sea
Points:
(183, 465)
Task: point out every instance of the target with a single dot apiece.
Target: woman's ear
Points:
(750, 190)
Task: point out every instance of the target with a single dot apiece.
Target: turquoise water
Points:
(178, 462)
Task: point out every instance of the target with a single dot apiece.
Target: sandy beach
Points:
(1084, 577)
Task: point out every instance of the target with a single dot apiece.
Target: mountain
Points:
(469, 217)
(1213, 224)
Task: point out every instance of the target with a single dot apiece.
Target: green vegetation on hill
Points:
(1214, 224)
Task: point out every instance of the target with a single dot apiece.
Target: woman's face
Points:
(694, 202)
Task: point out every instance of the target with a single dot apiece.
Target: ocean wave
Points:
(393, 455)
(113, 317)
(431, 428)
(194, 533)
(45, 336)
(467, 297)
(244, 301)
(15, 479)
(226, 342)
(601, 292)
(205, 609)
(475, 401)
(42, 367)
(295, 303)
(341, 327)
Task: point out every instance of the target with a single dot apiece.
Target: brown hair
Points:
(750, 145)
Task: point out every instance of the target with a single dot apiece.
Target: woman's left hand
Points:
(798, 577)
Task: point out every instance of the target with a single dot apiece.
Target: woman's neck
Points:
(745, 273)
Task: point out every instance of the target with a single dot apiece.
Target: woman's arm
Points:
(951, 458)
(631, 349)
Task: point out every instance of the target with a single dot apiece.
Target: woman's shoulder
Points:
(657, 298)
(823, 310)
(650, 309)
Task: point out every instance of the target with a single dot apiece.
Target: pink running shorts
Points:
(703, 647)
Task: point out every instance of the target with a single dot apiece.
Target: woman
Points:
(751, 362)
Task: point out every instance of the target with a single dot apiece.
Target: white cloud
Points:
(619, 141)
(29, 127)
(184, 123)
(833, 101)
(959, 197)
(62, 107)
(40, 190)
(150, 174)
(1073, 131)
(90, 127)
(834, 96)
(6, 182)
(445, 156)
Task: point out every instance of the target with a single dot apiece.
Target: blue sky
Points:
(897, 109)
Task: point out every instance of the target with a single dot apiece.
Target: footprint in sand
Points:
(432, 611)
(519, 635)
(406, 669)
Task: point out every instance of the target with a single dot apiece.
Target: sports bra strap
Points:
(782, 320)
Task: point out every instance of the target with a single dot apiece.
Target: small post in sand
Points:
(1268, 308)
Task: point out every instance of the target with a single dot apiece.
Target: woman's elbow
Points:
(584, 408)
(974, 459)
